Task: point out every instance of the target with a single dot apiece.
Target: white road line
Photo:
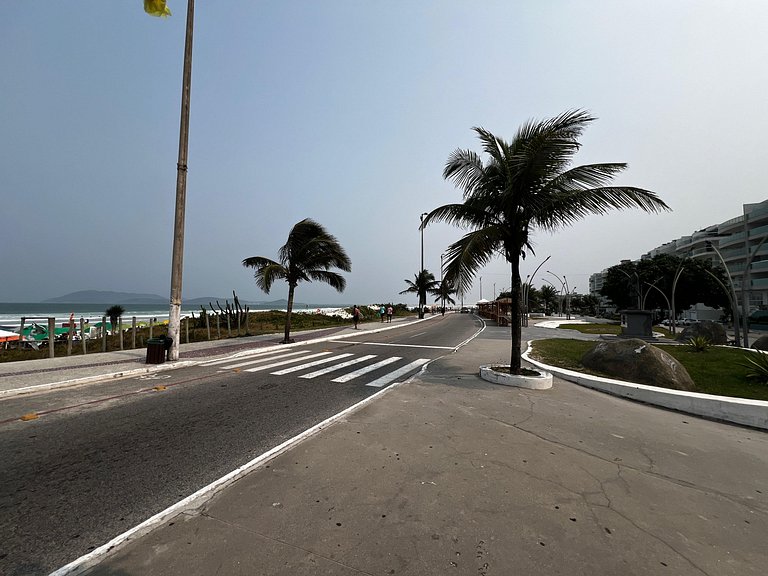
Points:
(284, 362)
(309, 365)
(417, 335)
(387, 378)
(241, 357)
(338, 366)
(263, 359)
(394, 345)
(366, 369)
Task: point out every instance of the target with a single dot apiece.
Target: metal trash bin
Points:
(155, 350)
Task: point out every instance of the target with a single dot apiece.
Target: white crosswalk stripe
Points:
(338, 366)
(284, 362)
(298, 359)
(252, 355)
(266, 359)
(392, 376)
(366, 369)
(309, 364)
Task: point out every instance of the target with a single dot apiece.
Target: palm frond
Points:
(334, 280)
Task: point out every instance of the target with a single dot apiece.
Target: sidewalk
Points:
(24, 377)
(448, 474)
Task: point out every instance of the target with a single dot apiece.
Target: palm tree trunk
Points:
(287, 339)
(516, 318)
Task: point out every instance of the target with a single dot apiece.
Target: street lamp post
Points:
(528, 290)
(564, 288)
(709, 244)
(422, 294)
(174, 315)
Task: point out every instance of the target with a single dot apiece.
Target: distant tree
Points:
(424, 282)
(443, 294)
(114, 313)
(653, 277)
(309, 254)
(548, 297)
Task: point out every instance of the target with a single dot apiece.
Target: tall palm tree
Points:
(423, 282)
(309, 254)
(524, 185)
(443, 293)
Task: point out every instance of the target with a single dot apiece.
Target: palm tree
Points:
(526, 184)
(423, 282)
(114, 313)
(549, 296)
(309, 254)
(443, 293)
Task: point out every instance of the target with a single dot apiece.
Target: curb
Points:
(752, 413)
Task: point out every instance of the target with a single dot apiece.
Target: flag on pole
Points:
(156, 8)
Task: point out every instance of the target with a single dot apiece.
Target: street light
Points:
(528, 289)
(564, 288)
(422, 297)
(709, 244)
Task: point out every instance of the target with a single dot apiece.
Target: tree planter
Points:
(541, 382)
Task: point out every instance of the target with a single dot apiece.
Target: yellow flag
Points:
(156, 8)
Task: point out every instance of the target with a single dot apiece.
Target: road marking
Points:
(284, 362)
(394, 345)
(309, 364)
(386, 379)
(267, 359)
(366, 369)
(338, 366)
(231, 359)
(417, 335)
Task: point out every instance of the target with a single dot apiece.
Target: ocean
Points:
(12, 312)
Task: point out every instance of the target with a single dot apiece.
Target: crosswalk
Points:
(281, 362)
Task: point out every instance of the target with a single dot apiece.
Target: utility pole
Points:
(177, 264)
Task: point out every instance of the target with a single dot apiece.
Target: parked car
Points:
(464, 310)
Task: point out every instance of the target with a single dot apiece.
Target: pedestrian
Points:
(356, 315)
(389, 313)
(382, 312)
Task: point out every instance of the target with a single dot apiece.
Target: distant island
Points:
(128, 298)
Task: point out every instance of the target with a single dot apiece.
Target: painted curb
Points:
(543, 382)
(753, 413)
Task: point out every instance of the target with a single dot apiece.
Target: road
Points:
(105, 457)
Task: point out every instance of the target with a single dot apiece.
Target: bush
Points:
(699, 343)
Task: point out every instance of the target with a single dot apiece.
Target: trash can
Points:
(155, 350)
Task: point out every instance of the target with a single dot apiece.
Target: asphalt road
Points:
(107, 456)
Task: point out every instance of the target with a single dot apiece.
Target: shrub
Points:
(757, 366)
(699, 343)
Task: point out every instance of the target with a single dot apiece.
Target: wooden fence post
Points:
(51, 336)
(133, 329)
(103, 333)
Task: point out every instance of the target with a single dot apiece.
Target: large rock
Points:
(712, 331)
(634, 360)
(761, 343)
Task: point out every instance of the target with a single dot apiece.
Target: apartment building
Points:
(742, 242)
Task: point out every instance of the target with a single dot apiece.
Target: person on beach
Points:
(389, 313)
(356, 315)
(382, 312)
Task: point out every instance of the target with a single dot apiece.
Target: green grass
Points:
(615, 329)
(718, 370)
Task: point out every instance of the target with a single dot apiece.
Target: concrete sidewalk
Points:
(448, 474)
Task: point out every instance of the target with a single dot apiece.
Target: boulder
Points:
(712, 331)
(761, 343)
(634, 360)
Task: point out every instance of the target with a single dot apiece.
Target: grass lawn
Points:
(714, 371)
(607, 329)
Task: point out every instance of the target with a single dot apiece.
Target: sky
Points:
(346, 111)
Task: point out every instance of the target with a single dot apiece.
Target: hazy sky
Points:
(346, 112)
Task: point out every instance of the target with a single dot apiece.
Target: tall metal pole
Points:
(746, 289)
(174, 316)
(735, 299)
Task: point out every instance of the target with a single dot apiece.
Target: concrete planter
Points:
(542, 382)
